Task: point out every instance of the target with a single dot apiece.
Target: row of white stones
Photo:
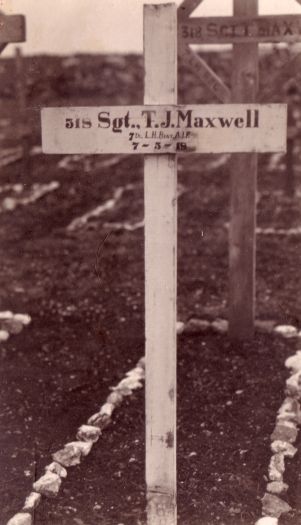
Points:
(11, 324)
(284, 435)
(221, 326)
(288, 418)
(71, 454)
(288, 232)
(108, 205)
(36, 192)
(88, 162)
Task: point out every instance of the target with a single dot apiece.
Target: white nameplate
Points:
(165, 129)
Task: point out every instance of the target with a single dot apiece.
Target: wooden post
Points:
(289, 181)
(20, 80)
(21, 102)
(289, 189)
(160, 186)
(242, 241)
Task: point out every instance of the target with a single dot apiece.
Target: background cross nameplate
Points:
(229, 30)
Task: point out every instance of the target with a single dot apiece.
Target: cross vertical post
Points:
(242, 240)
(160, 187)
(21, 103)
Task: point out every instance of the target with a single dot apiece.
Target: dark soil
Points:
(85, 293)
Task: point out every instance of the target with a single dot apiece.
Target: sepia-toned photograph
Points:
(150, 283)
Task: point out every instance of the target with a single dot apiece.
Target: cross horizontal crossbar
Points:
(165, 129)
(227, 30)
(12, 28)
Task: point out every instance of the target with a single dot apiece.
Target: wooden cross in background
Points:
(245, 30)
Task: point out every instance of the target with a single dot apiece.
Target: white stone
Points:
(100, 421)
(276, 467)
(136, 373)
(180, 326)
(124, 383)
(289, 417)
(274, 506)
(141, 370)
(287, 449)
(220, 326)
(68, 457)
(32, 501)
(288, 424)
(133, 383)
(9, 203)
(294, 362)
(130, 383)
(107, 409)
(6, 315)
(289, 410)
(48, 485)
(56, 468)
(277, 487)
(267, 520)
(293, 384)
(123, 390)
(4, 335)
(286, 407)
(22, 518)
(197, 326)
(286, 330)
(18, 188)
(284, 433)
(290, 405)
(13, 326)
(115, 398)
(23, 318)
(88, 433)
(83, 446)
(141, 363)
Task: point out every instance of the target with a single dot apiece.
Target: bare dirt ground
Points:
(84, 290)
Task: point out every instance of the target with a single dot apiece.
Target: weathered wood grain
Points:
(160, 190)
(242, 241)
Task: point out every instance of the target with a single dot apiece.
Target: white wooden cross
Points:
(12, 29)
(159, 130)
(245, 30)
